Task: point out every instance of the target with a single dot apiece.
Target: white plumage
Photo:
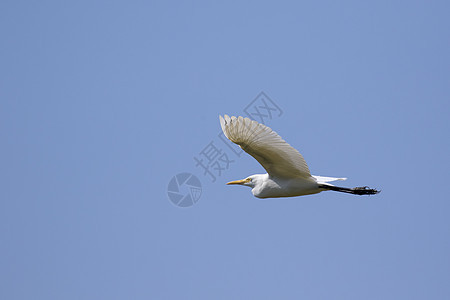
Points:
(288, 174)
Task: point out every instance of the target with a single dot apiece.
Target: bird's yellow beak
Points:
(242, 181)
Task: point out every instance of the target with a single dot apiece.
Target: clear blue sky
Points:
(102, 103)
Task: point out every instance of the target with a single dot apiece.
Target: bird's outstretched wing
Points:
(276, 156)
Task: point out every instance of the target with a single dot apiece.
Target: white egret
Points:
(287, 172)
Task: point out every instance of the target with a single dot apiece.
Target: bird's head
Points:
(250, 181)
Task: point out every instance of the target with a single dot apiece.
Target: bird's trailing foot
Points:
(364, 190)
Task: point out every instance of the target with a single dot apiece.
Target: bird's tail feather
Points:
(324, 179)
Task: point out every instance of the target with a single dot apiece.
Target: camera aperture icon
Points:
(184, 190)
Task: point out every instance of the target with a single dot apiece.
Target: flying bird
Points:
(287, 174)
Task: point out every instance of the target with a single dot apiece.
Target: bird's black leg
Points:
(365, 190)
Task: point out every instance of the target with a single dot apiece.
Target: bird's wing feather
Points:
(276, 156)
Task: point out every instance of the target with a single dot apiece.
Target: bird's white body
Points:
(288, 174)
(265, 186)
